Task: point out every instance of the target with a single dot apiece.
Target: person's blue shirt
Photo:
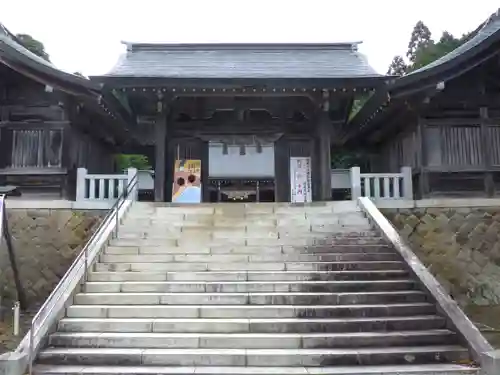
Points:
(191, 194)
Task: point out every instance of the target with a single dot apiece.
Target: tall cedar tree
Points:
(422, 50)
(421, 38)
(398, 67)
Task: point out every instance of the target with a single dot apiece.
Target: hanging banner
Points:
(187, 181)
(300, 179)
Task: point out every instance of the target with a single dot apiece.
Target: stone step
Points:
(288, 241)
(241, 258)
(252, 220)
(247, 250)
(151, 228)
(255, 266)
(237, 213)
(246, 286)
(434, 369)
(249, 275)
(246, 311)
(251, 340)
(260, 207)
(228, 232)
(276, 298)
(253, 357)
(252, 325)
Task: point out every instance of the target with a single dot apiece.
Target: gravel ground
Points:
(8, 341)
(486, 318)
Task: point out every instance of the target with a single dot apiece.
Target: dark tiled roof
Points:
(9, 39)
(12, 51)
(486, 30)
(481, 45)
(243, 61)
(483, 37)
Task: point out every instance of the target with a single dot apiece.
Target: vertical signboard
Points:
(300, 179)
(187, 183)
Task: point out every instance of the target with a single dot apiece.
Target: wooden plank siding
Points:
(401, 151)
(458, 158)
(45, 137)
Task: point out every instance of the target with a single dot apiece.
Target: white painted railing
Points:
(382, 185)
(43, 322)
(101, 187)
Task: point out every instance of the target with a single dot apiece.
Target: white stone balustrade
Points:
(103, 187)
(382, 185)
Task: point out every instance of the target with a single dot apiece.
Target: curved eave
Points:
(420, 82)
(450, 68)
(44, 72)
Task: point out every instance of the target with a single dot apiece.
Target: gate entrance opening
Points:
(239, 190)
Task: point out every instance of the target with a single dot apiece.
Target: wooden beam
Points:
(471, 99)
(34, 125)
(249, 84)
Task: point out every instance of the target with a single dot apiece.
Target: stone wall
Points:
(460, 246)
(45, 242)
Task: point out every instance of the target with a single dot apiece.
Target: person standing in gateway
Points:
(191, 193)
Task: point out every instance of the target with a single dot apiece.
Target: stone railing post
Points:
(355, 183)
(490, 363)
(81, 174)
(407, 182)
(131, 174)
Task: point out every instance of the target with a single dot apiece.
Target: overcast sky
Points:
(85, 36)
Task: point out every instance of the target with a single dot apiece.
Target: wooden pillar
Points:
(489, 183)
(281, 170)
(160, 156)
(170, 158)
(324, 157)
(205, 188)
(423, 178)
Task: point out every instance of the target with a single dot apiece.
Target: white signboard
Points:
(251, 164)
(300, 179)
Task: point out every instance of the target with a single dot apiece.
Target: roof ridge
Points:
(133, 46)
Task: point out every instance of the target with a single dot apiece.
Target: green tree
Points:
(33, 45)
(124, 161)
(421, 38)
(434, 51)
(398, 67)
(423, 50)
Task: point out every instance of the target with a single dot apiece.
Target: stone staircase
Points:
(251, 289)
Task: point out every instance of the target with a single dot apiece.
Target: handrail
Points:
(476, 342)
(5, 233)
(77, 273)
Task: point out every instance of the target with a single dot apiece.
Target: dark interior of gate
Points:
(244, 110)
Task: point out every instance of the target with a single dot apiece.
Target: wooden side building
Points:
(52, 122)
(442, 120)
(242, 109)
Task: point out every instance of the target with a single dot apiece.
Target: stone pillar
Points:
(160, 157)
(324, 169)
